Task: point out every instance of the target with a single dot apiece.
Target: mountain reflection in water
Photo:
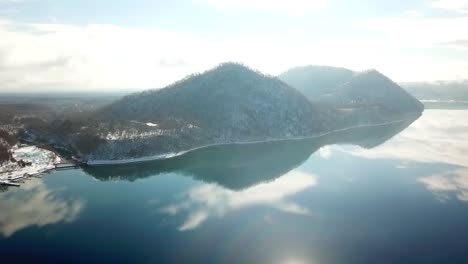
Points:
(404, 201)
(240, 166)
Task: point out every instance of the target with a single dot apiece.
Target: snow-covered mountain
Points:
(228, 104)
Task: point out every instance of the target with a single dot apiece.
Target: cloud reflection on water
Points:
(439, 136)
(455, 182)
(210, 200)
(34, 205)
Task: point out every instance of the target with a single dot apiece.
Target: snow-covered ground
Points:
(42, 160)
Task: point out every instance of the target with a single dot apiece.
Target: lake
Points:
(386, 194)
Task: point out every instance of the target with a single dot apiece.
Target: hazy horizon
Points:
(127, 46)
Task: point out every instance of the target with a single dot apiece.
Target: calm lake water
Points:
(389, 194)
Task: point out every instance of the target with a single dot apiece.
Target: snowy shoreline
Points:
(176, 154)
(42, 161)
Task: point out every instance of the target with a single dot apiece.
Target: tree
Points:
(10, 139)
(87, 143)
(5, 154)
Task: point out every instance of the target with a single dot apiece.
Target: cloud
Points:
(211, 200)
(453, 182)
(459, 43)
(421, 42)
(430, 31)
(460, 6)
(413, 13)
(325, 152)
(34, 205)
(290, 7)
(38, 57)
(194, 220)
(53, 56)
(439, 136)
(48, 56)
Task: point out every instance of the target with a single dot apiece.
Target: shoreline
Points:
(165, 156)
(41, 163)
(177, 154)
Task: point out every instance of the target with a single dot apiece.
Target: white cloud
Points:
(425, 43)
(39, 57)
(57, 56)
(460, 6)
(439, 136)
(325, 152)
(461, 44)
(194, 220)
(34, 205)
(454, 182)
(211, 200)
(419, 32)
(90, 57)
(290, 7)
(413, 13)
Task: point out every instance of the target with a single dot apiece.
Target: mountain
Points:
(371, 89)
(367, 97)
(228, 104)
(314, 81)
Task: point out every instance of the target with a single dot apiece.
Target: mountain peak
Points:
(369, 72)
(231, 66)
(371, 75)
(314, 80)
(227, 68)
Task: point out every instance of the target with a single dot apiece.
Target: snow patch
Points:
(41, 161)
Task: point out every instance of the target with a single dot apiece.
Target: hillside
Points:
(314, 81)
(367, 97)
(228, 104)
(372, 89)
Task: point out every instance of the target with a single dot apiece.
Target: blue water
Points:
(391, 194)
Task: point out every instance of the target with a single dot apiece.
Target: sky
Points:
(121, 45)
